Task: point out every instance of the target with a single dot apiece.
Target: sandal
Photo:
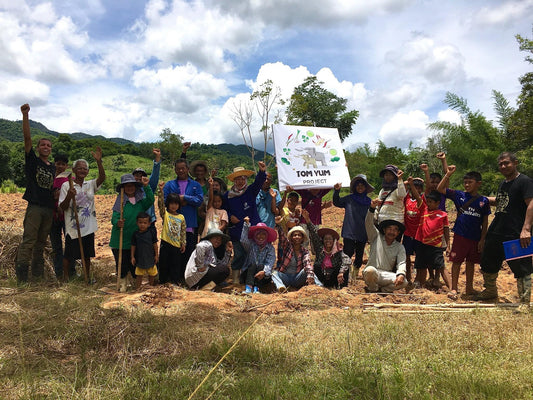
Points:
(452, 295)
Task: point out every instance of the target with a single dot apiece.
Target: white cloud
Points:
(20, 91)
(505, 13)
(449, 116)
(421, 56)
(179, 89)
(311, 13)
(403, 128)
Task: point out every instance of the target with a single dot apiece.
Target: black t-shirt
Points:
(39, 181)
(511, 207)
(144, 248)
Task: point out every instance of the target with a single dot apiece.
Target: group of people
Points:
(210, 231)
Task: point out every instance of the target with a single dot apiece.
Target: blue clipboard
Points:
(513, 250)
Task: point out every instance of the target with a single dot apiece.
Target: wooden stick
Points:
(121, 237)
(443, 305)
(78, 230)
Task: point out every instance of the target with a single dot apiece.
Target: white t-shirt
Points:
(84, 204)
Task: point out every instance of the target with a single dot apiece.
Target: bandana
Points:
(234, 192)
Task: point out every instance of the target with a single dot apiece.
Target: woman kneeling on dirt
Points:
(331, 266)
(295, 268)
(204, 267)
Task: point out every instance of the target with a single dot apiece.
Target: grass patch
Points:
(57, 343)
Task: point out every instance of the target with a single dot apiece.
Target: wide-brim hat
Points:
(215, 232)
(240, 171)
(139, 170)
(194, 164)
(127, 178)
(328, 231)
(297, 228)
(359, 178)
(388, 222)
(272, 235)
(391, 168)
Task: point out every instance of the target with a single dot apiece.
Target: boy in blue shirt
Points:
(470, 226)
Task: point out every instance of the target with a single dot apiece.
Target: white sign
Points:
(309, 158)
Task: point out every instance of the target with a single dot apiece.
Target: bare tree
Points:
(242, 114)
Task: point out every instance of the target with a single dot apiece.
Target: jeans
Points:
(239, 255)
(56, 239)
(281, 279)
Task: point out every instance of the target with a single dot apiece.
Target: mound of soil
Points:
(169, 298)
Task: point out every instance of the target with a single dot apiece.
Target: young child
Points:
(433, 179)
(353, 227)
(290, 213)
(144, 251)
(412, 220)
(434, 235)
(391, 195)
(173, 239)
(216, 217)
(257, 242)
(470, 227)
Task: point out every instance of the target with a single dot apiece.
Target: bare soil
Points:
(169, 299)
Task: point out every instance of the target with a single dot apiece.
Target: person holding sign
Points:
(240, 201)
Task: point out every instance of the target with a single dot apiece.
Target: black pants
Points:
(330, 280)
(351, 247)
(493, 256)
(171, 264)
(216, 274)
(126, 262)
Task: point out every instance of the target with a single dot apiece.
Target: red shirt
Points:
(412, 215)
(431, 228)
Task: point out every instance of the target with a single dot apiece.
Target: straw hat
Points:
(272, 235)
(297, 228)
(194, 164)
(328, 231)
(239, 171)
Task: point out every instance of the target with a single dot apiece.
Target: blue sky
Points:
(131, 68)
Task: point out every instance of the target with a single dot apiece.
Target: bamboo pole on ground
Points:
(121, 238)
(78, 230)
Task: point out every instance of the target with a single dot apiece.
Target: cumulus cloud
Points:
(404, 128)
(506, 13)
(20, 91)
(421, 56)
(315, 13)
(180, 89)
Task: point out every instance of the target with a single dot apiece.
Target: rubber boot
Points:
(123, 285)
(235, 276)
(524, 289)
(354, 273)
(491, 290)
(21, 271)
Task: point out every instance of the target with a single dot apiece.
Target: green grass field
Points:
(58, 343)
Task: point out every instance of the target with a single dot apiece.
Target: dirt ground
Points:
(168, 298)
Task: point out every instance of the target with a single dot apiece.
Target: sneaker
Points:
(248, 289)
(256, 289)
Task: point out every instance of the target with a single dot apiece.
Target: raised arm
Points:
(97, 155)
(442, 157)
(444, 183)
(156, 169)
(161, 200)
(425, 168)
(414, 192)
(371, 230)
(25, 108)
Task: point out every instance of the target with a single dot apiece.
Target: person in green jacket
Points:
(134, 202)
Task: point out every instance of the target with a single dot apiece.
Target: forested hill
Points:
(120, 155)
